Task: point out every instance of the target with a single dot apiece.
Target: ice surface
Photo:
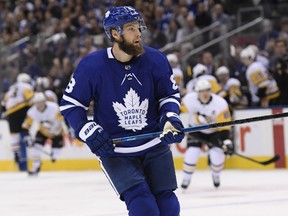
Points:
(87, 193)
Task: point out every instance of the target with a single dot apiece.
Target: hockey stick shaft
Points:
(202, 127)
(267, 162)
(43, 150)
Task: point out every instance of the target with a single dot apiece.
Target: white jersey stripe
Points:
(109, 52)
(177, 95)
(169, 100)
(108, 177)
(138, 148)
(73, 101)
(66, 107)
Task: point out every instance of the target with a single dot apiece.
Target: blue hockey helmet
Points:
(116, 17)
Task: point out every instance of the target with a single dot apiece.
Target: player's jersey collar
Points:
(111, 56)
(210, 99)
(109, 53)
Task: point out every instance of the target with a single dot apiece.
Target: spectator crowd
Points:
(47, 38)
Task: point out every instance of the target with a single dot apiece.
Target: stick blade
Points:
(272, 160)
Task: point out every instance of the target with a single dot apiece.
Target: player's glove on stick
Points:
(227, 147)
(171, 126)
(96, 138)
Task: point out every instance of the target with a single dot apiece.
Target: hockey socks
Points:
(140, 201)
(168, 203)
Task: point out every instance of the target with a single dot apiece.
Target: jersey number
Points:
(174, 84)
(70, 86)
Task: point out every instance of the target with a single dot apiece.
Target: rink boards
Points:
(259, 140)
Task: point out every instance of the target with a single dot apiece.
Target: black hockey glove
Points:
(171, 126)
(227, 147)
(96, 138)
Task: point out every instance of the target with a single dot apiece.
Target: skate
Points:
(185, 184)
(34, 172)
(216, 181)
(53, 159)
(17, 159)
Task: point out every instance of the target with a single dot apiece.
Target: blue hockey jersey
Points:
(129, 98)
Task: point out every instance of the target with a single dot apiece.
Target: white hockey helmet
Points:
(43, 81)
(202, 84)
(223, 70)
(23, 77)
(254, 48)
(38, 97)
(172, 58)
(198, 70)
(51, 96)
(248, 53)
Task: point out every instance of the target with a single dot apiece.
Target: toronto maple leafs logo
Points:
(132, 114)
(107, 14)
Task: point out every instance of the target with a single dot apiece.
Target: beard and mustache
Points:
(129, 48)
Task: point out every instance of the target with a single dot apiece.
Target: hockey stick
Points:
(50, 154)
(264, 163)
(201, 127)
(267, 162)
(43, 150)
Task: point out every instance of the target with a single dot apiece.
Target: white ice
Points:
(87, 193)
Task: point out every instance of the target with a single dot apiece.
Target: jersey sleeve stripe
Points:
(138, 148)
(173, 100)
(177, 95)
(62, 108)
(73, 101)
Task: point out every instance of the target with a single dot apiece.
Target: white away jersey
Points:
(257, 77)
(216, 88)
(18, 97)
(50, 121)
(216, 110)
(233, 89)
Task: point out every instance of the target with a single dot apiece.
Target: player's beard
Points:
(131, 49)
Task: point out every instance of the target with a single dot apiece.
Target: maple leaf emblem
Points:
(132, 114)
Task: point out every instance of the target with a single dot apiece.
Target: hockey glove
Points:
(171, 126)
(96, 138)
(227, 147)
(28, 140)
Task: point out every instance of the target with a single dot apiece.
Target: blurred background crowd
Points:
(47, 38)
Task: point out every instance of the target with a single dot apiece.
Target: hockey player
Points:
(43, 85)
(16, 103)
(134, 92)
(204, 107)
(46, 115)
(232, 88)
(262, 86)
(177, 71)
(200, 72)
